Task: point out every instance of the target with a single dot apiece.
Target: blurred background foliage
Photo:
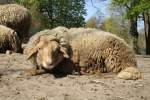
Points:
(53, 13)
(123, 20)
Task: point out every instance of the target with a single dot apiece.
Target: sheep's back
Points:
(16, 17)
(9, 40)
(98, 46)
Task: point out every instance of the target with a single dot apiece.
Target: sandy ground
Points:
(15, 85)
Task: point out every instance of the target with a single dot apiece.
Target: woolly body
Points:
(16, 17)
(101, 51)
(9, 40)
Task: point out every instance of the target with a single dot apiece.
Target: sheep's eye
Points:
(57, 50)
(39, 48)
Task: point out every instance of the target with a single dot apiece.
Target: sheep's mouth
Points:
(49, 67)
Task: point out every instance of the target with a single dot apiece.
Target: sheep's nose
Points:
(47, 64)
(49, 61)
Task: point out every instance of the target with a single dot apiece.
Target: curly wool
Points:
(9, 40)
(16, 17)
(101, 51)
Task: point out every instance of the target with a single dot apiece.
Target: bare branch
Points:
(127, 6)
(94, 5)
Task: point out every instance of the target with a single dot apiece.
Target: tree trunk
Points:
(50, 13)
(134, 33)
(146, 18)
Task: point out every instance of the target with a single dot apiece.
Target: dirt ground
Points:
(15, 85)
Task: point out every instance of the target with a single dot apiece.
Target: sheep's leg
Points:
(33, 72)
(129, 73)
(36, 71)
(102, 67)
(82, 70)
(113, 64)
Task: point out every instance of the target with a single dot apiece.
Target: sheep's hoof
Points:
(34, 72)
(130, 73)
(31, 72)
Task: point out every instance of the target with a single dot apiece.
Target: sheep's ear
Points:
(35, 49)
(55, 39)
(64, 51)
(32, 53)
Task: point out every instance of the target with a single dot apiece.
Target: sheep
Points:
(16, 17)
(99, 51)
(9, 40)
(46, 49)
(90, 51)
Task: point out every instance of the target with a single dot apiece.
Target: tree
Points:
(67, 13)
(115, 26)
(129, 5)
(142, 9)
(91, 23)
(146, 18)
(134, 10)
(141, 41)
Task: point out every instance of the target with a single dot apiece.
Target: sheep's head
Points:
(48, 53)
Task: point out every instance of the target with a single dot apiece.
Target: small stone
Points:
(61, 84)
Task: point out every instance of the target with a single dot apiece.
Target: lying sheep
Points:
(16, 17)
(47, 50)
(92, 51)
(104, 52)
(9, 40)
